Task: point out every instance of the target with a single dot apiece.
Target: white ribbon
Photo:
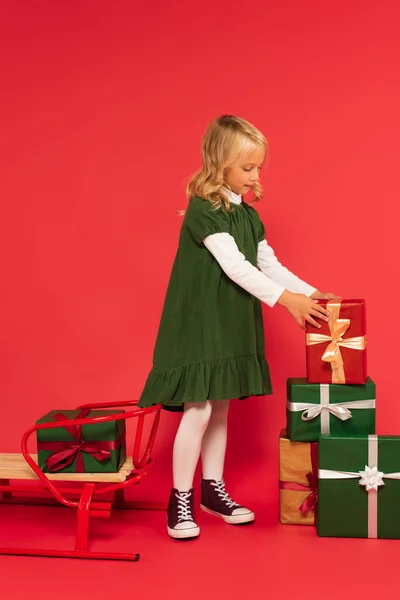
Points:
(341, 410)
(371, 478)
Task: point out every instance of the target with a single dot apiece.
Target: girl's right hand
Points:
(302, 308)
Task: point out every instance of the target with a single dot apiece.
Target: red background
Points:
(102, 109)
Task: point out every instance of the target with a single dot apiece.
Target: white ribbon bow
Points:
(341, 410)
(371, 478)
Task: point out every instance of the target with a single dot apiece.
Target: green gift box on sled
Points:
(343, 410)
(91, 448)
(359, 487)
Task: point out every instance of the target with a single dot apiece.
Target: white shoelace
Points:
(223, 494)
(184, 511)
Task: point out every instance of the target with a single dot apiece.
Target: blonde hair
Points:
(227, 140)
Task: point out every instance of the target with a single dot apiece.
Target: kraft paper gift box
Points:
(298, 465)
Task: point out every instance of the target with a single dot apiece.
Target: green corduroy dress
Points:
(210, 343)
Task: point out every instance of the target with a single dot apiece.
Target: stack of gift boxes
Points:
(333, 470)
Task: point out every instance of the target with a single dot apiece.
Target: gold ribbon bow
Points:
(337, 328)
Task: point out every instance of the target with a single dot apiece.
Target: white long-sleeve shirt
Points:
(269, 281)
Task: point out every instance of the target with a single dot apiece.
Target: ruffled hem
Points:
(223, 379)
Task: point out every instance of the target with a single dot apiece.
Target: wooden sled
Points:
(88, 499)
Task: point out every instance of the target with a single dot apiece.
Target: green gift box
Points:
(359, 487)
(343, 410)
(91, 448)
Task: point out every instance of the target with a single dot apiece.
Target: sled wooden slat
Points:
(14, 466)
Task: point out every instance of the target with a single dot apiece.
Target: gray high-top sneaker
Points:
(181, 524)
(215, 500)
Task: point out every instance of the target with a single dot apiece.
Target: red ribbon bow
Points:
(310, 503)
(65, 452)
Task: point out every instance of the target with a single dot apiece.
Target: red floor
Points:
(264, 560)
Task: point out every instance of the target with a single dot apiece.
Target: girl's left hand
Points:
(323, 295)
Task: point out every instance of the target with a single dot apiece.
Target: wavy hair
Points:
(227, 140)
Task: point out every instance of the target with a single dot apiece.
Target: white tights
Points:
(202, 430)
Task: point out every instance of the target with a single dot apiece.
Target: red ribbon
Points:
(310, 503)
(64, 453)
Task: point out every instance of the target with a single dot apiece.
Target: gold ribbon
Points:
(337, 328)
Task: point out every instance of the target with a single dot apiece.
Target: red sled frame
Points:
(85, 500)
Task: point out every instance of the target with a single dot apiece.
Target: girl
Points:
(210, 344)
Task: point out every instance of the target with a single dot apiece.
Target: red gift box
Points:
(336, 353)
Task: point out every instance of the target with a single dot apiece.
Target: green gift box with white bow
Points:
(314, 409)
(359, 487)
